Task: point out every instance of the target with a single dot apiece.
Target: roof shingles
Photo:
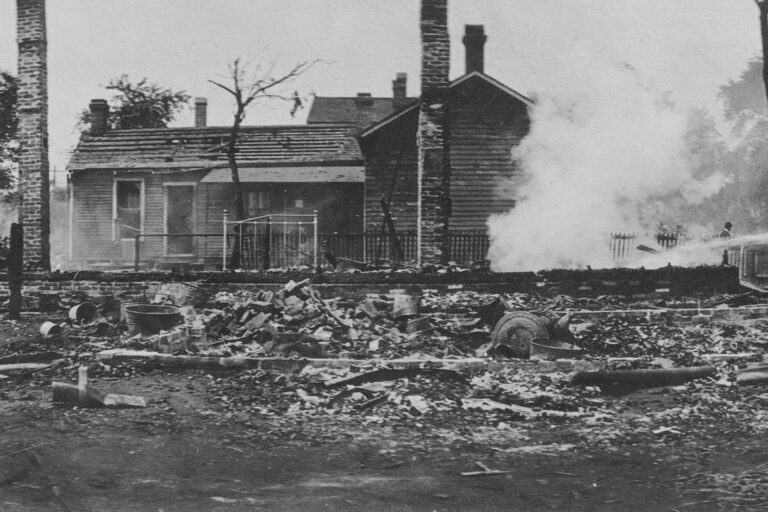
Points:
(206, 147)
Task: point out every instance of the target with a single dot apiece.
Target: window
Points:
(257, 202)
(128, 208)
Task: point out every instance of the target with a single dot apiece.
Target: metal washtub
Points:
(152, 318)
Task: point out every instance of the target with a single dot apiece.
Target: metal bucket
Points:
(405, 306)
(85, 312)
(152, 318)
(49, 330)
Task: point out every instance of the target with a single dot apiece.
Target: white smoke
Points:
(603, 151)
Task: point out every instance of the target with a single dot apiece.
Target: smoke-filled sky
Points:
(688, 47)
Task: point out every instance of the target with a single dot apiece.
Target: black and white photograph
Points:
(383, 255)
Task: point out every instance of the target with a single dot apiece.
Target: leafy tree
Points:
(744, 98)
(9, 123)
(739, 150)
(139, 105)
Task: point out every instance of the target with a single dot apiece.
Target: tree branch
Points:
(230, 91)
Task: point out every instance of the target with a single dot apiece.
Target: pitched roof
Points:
(206, 147)
(346, 110)
(457, 82)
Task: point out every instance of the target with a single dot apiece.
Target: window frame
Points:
(142, 207)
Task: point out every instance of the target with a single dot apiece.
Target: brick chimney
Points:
(34, 210)
(201, 112)
(432, 139)
(99, 115)
(474, 40)
(399, 96)
(364, 104)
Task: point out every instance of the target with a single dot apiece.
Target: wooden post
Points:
(267, 244)
(136, 255)
(15, 271)
(224, 244)
(314, 247)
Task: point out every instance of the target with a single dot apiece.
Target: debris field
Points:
(290, 364)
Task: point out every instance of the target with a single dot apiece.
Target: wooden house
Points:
(171, 183)
(176, 181)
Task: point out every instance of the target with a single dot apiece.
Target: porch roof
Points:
(303, 174)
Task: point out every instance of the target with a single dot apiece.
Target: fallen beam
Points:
(290, 365)
(87, 396)
(639, 379)
(383, 374)
(756, 374)
(16, 367)
(724, 358)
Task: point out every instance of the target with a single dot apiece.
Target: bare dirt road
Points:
(187, 451)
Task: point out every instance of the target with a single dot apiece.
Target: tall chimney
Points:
(99, 116)
(399, 91)
(434, 166)
(34, 211)
(201, 112)
(474, 40)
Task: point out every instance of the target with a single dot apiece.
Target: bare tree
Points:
(245, 91)
(763, 6)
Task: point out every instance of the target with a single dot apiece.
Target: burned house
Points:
(172, 186)
(485, 120)
(176, 181)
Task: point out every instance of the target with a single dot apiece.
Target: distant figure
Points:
(726, 233)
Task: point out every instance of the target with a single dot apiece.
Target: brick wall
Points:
(634, 283)
(34, 213)
(433, 163)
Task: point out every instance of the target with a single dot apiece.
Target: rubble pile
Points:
(371, 332)
(385, 396)
(296, 320)
(682, 345)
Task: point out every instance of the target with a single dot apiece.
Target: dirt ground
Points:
(185, 453)
(247, 440)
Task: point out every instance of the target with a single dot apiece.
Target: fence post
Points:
(15, 271)
(136, 249)
(224, 246)
(267, 243)
(314, 251)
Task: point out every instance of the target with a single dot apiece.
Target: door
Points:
(179, 219)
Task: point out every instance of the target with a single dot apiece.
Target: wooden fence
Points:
(623, 246)
(289, 249)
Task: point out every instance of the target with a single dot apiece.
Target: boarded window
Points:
(128, 208)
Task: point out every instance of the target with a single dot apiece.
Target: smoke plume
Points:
(606, 152)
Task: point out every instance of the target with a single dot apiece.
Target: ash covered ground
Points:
(501, 434)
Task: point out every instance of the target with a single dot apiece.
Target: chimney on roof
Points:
(201, 112)
(99, 115)
(363, 100)
(474, 40)
(398, 90)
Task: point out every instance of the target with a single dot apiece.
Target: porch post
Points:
(267, 243)
(224, 245)
(314, 221)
